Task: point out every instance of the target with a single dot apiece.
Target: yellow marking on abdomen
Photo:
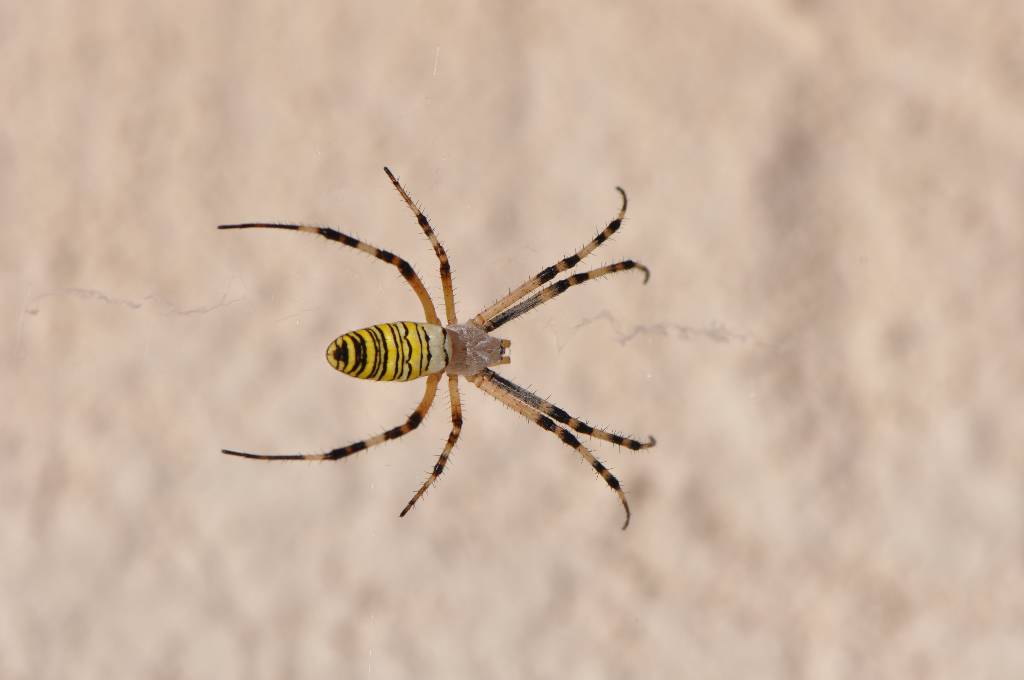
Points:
(404, 350)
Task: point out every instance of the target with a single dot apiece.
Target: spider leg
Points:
(559, 287)
(545, 275)
(446, 268)
(552, 411)
(453, 436)
(411, 423)
(485, 382)
(404, 268)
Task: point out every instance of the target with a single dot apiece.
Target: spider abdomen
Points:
(403, 350)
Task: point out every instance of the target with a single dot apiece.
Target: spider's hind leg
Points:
(410, 424)
(404, 268)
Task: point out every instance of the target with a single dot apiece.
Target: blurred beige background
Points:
(828, 194)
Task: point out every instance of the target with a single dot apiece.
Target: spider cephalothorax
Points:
(407, 350)
(473, 349)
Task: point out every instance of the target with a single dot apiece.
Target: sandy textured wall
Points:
(828, 195)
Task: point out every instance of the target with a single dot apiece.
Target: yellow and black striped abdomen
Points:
(404, 350)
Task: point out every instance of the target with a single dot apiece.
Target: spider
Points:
(406, 350)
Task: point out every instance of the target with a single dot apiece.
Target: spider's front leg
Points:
(485, 381)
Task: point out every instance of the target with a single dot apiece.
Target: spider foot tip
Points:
(625, 200)
(625, 506)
